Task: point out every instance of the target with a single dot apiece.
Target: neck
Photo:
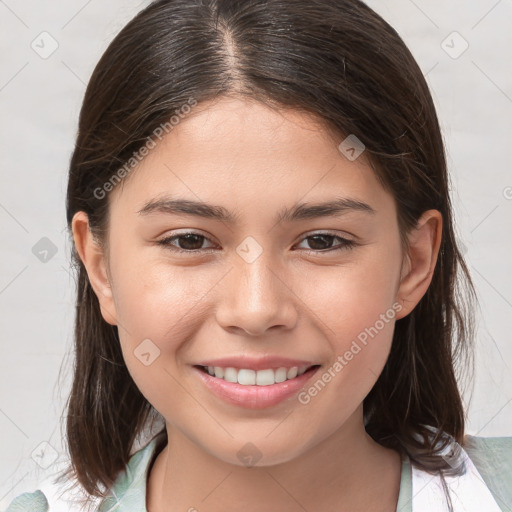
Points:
(347, 471)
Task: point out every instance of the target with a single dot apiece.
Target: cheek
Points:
(357, 323)
(355, 307)
(353, 296)
(162, 304)
(156, 299)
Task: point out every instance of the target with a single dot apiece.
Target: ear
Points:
(420, 261)
(93, 258)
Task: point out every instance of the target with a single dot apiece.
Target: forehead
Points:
(246, 152)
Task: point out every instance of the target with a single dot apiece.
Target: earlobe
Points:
(420, 261)
(93, 258)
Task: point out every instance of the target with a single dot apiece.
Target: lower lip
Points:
(255, 397)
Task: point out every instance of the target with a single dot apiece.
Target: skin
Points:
(294, 301)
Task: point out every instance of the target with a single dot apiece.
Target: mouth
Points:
(255, 389)
(264, 377)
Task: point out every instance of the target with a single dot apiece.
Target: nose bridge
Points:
(256, 298)
(255, 271)
(256, 282)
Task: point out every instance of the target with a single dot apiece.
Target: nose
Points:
(256, 297)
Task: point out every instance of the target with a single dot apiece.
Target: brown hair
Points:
(337, 60)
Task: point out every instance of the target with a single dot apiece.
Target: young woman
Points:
(263, 234)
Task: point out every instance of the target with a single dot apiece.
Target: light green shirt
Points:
(492, 457)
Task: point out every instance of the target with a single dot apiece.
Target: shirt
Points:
(492, 458)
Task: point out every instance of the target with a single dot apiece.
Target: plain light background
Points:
(40, 100)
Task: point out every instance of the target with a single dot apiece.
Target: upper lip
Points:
(252, 363)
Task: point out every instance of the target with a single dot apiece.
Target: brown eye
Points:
(190, 242)
(184, 242)
(320, 242)
(323, 242)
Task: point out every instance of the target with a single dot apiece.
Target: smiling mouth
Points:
(248, 377)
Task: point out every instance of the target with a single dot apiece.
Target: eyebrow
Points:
(300, 211)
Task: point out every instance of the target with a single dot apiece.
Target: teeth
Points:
(256, 377)
(247, 377)
(292, 373)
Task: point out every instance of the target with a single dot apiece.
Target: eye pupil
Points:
(190, 238)
(320, 237)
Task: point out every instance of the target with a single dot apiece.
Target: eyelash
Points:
(344, 245)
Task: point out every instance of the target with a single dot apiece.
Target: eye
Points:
(322, 242)
(188, 242)
(192, 242)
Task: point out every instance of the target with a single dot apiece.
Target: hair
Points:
(338, 61)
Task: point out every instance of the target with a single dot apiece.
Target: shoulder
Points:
(492, 456)
(129, 489)
(29, 502)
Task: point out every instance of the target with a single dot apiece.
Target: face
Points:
(262, 287)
